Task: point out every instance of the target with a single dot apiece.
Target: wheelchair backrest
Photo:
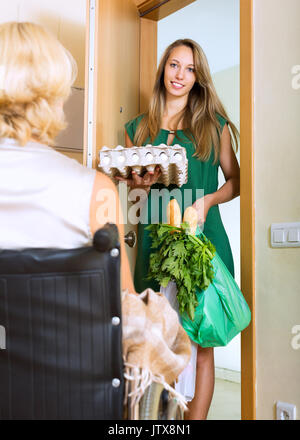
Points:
(61, 315)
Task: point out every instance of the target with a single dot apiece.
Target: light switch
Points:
(285, 235)
(278, 236)
(294, 235)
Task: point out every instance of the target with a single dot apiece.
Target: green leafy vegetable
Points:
(183, 258)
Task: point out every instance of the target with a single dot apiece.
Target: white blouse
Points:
(44, 198)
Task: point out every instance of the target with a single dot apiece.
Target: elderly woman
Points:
(50, 201)
(46, 199)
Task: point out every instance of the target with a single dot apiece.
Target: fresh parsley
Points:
(183, 258)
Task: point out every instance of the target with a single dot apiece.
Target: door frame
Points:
(148, 55)
(247, 213)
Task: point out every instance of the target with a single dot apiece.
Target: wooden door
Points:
(112, 79)
(112, 72)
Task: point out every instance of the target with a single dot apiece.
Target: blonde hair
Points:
(36, 75)
(199, 117)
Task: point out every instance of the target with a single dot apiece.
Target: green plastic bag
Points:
(222, 311)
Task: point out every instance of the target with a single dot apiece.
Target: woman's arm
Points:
(105, 207)
(128, 141)
(231, 170)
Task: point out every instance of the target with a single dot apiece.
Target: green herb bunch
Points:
(184, 258)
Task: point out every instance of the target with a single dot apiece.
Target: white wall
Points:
(214, 24)
(277, 200)
(64, 18)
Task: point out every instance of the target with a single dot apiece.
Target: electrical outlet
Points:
(285, 411)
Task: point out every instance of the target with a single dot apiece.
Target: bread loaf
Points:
(173, 213)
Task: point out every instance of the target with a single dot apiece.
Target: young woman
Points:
(185, 110)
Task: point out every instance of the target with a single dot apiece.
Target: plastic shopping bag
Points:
(222, 311)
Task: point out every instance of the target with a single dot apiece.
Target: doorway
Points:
(111, 109)
(215, 26)
(150, 24)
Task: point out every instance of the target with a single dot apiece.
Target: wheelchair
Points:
(61, 311)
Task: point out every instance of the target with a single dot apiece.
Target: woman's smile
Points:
(177, 85)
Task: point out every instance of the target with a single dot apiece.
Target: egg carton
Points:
(121, 161)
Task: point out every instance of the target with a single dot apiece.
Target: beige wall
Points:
(277, 199)
(64, 18)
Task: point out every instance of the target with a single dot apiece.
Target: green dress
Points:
(201, 176)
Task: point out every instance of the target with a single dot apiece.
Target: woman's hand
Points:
(145, 182)
(202, 207)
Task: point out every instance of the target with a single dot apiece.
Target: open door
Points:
(112, 73)
(112, 80)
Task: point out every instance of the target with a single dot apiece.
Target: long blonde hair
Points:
(198, 118)
(36, 75)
